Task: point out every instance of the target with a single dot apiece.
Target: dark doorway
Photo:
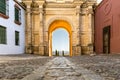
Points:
(106, 40)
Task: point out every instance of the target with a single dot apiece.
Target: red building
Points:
(107, 27)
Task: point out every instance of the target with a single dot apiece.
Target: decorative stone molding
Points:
(40, 14)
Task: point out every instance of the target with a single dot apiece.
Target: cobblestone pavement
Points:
(34, 67)
(16, 67)
(107, 66)
(62, 69)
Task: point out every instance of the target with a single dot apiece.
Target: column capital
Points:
(78, 7)
(40, 2)
(27, 2)
(92, 3)
(90, 11)
(84, 11)
(78, 2)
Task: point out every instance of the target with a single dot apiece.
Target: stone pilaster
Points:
(84, 29)
(37, 30)
(35, 27)
(42, 47)
(77, 48)
(87, 28)
(91, 28)
(28, 44)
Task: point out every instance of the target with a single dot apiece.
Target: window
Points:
(4, 8)
(17, 15)
(2, 35)
(16, 38)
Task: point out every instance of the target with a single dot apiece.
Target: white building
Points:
(12, 27)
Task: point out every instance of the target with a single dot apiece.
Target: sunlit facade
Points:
(45, 16)
(12, 27)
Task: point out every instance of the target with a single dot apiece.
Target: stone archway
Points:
(59, 24)
(43, 17)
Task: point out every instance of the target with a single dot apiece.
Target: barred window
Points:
(16, 38)
(2, 35)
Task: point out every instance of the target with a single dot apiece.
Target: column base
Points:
(28, 50)
(41, 50)
(76, 50)
(45, 51)
(87, 49)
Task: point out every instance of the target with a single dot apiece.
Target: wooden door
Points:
(106, 40)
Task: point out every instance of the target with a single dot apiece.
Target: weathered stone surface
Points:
(43, 17)
(18, 66)
(63, 70)
(29, 67)
(107, 66)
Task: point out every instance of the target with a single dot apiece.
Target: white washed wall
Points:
(11, 27)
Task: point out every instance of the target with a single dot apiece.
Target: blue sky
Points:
(60, 40)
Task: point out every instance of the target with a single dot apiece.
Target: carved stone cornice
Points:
(78, 11)
(27, 2)
(40, 2)
(78, 2)
(59, 1)
(60, 5)
(34, 5)
(28, 10)
(90, 11)
(84, 5)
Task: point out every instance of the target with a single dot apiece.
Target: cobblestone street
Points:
(34, 67)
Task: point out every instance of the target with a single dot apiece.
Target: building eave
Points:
(20, 4)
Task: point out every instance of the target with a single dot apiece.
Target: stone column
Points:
(91, 28)
(84, 29)
(42, 48)
(77, 47)
(35, 27)
(37, 24)
(28, 44)
(87, 28)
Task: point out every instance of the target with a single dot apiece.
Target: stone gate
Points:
(44, 16)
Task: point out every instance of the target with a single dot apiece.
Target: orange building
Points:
(107, 27)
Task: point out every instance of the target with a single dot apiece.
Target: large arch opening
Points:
(60, 42)
(56, 25)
